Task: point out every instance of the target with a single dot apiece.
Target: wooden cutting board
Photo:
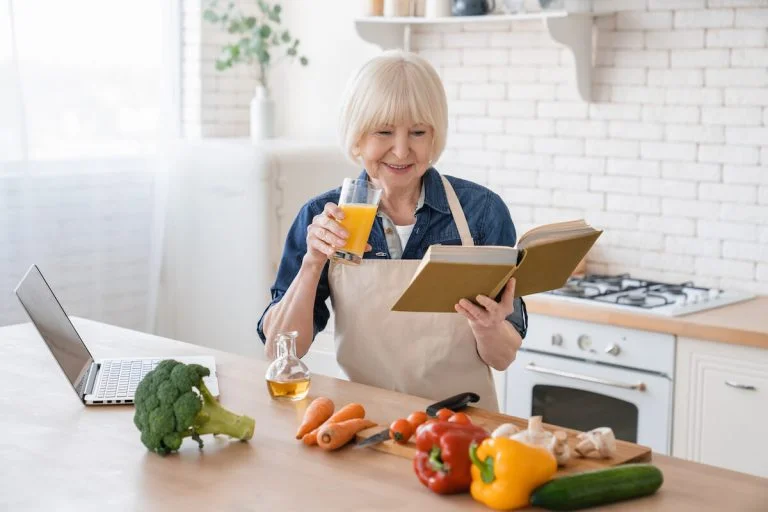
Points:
(625, 452)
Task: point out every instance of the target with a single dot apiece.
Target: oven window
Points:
(585, 410)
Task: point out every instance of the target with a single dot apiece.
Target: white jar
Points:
(437, 8)
(394, 8)
(262, 114)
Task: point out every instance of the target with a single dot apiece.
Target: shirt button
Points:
(388, 231)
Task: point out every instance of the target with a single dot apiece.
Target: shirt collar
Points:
(432, 191)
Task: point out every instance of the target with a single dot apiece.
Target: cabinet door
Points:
(321, 357)
(721, 405)
(500, 381)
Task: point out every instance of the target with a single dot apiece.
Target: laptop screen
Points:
(54, 326)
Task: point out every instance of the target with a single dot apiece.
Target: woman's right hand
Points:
(325, 235)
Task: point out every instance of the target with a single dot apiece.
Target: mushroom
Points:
(535, 435)
(560, 448)
(600, 441)
(506, 430)
(554, 443)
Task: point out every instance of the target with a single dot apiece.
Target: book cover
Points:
(449, 274)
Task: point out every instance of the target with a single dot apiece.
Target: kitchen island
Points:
(60, 455)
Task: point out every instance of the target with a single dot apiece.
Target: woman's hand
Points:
(325, 235)
(497, 339)
(490, 313)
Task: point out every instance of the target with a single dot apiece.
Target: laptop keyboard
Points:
(119, 378)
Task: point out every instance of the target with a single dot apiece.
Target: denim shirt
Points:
(489, 222)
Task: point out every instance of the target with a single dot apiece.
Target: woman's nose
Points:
(401, 148)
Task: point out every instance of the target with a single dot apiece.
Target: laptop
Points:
(96, 381)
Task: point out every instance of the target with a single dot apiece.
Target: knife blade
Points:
(454, 403)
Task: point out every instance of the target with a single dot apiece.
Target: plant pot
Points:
(262, 114)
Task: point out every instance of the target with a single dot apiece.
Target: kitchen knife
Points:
(454, 403)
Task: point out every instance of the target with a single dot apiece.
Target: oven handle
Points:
(531, 367)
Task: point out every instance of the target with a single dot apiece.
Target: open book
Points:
(543, 260)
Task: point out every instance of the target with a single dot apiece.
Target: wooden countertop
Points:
(59, 454)
(743, 323)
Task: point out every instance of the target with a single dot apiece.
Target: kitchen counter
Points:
(743, 323)
(87, 456)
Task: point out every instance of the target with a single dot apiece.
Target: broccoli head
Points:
(172, 402)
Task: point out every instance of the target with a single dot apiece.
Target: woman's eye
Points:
(419, 133)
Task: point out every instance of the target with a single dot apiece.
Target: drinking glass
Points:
(359, 201)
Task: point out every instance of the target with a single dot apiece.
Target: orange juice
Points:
(358, 219)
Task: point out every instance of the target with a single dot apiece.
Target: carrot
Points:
(318, 411)
(336, 435)
(348, 412)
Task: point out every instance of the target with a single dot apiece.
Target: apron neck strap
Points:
(458, 213)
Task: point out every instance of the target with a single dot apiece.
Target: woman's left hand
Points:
(497, 339)
(489, 314)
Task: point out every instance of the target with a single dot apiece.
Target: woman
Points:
(394, 121)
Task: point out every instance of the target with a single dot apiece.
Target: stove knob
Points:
(584, 342)
(557, 340)
(613, 349)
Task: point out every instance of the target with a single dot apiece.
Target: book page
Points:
(554, 232)
(482, 255)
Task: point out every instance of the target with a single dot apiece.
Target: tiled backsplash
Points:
(670, 157)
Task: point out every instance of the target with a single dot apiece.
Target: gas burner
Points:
(572, 290)
(635, 298)
(606, 280)
(624, 291)
(674, 289)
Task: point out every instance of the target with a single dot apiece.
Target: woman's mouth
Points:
(398, 168)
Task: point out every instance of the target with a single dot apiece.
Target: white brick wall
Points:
(214, 104)
(673, 159)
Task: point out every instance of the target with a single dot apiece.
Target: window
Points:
(85, 78)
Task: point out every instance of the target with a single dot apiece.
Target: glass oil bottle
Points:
(288, 378)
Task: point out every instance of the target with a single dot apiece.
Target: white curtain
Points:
(88, 102)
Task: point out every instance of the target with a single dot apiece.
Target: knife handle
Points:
(454, 403)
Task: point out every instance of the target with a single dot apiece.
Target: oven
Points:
(582, 375)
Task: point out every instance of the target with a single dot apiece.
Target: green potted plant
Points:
(256, 40)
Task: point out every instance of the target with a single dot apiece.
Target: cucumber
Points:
(598, 487)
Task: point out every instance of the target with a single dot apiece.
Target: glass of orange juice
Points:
(359, 201)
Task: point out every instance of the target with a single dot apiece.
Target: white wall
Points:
(671, 157)
(216, 103)
(309, 97)
(88, 230)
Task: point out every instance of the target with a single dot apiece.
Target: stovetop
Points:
(653, 297)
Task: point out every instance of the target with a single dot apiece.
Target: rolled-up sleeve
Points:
(290, 263)
(498, 229)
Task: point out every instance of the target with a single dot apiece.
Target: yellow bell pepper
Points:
(505, 472)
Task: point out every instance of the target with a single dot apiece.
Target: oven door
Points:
(582, 396)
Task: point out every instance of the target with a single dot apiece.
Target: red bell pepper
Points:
(442, 461)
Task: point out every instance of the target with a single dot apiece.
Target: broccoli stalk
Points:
(173, 402)
(215, 419)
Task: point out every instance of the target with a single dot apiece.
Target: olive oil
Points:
(287, 376)
(288, 390)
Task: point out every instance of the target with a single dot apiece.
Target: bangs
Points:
(398, 102)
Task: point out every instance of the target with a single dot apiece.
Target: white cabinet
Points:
(721, 405)
(321, 358)
(230, 204)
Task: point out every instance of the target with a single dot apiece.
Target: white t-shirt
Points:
(404, 232)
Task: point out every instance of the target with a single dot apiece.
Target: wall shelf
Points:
(570, 29)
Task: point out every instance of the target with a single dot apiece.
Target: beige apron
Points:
(431, 355)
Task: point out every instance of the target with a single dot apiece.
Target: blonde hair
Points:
(393, 88)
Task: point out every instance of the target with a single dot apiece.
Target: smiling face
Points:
(397, 156)
(394, 119)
